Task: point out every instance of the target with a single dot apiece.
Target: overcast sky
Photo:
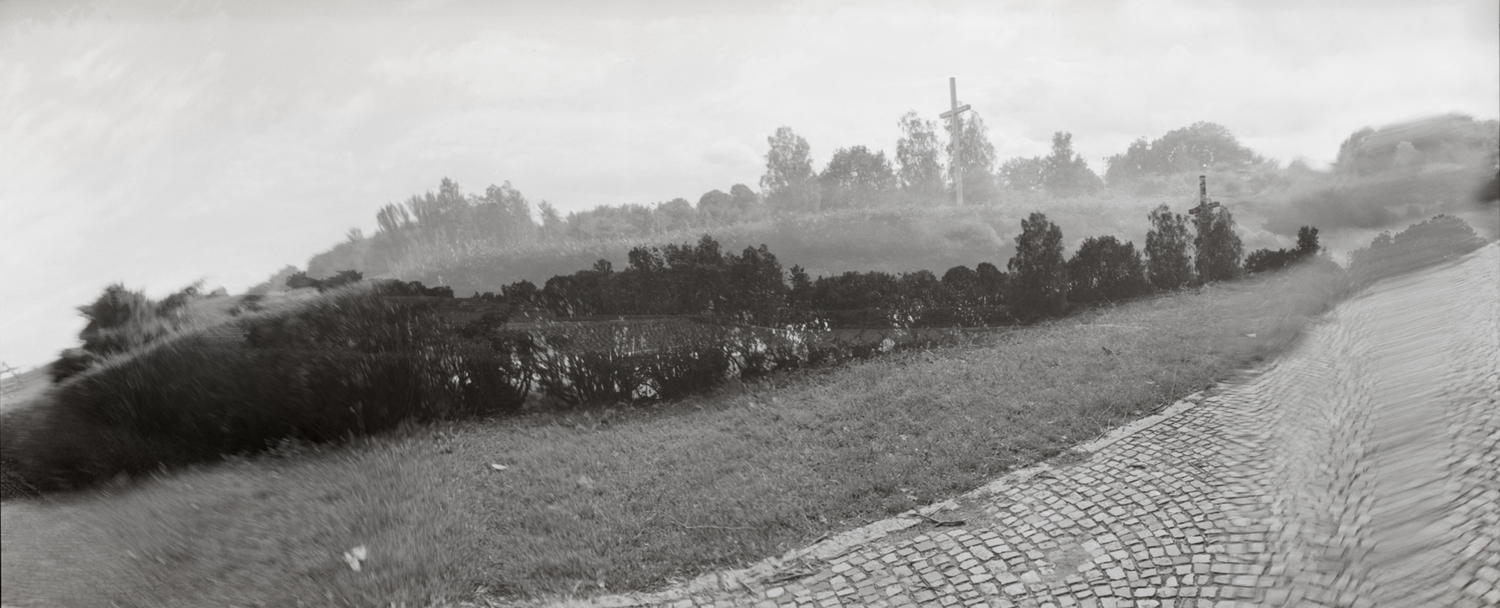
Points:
(157, 143)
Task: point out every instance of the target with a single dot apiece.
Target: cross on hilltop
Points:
(955, 127)
(1204, 205)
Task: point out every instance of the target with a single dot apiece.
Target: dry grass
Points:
(633, 499)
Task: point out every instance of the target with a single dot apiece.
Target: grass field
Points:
(634, 499)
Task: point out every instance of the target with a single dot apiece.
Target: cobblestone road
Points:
(1361, 470)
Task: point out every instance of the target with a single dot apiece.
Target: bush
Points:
(1105, 269)
(1441, 238)
(1039, 276)
(1262, 260)
(344, 277)
(348, 364)
(1217, 248)
(1166, 250)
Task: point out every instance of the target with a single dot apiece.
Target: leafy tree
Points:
(718, 207)
(919, 166)
(962, 282)
(855, 178)
(992, 283)
(1307, 241)
(1023, 174)
(552, 222)
(746, 201)
(801, 294)
(1217, 247)
(1039, 276)
(788, 183)
(741, 202)
(976, 159)
(502, 215)
(676, 214)
(1441, 238)
(1166, 249)
(757, 288)
(1066, 173)
(1105, 269)
(393, 218)
(1195, 148)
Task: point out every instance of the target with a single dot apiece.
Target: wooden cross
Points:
(955, 127)
(1204, 205)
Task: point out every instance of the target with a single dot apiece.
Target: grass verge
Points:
(634, 499)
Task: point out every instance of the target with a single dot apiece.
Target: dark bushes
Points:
(1039, 276)
(1106, 269)
(1262, 260)
(350, 364)
(1441, 238)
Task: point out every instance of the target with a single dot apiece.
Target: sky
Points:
(157, 143)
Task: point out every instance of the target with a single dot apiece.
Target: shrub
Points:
(1039, 276)
(1166, 250)
(1105, 269)
(1422, 244)
(344, 277)
(347, 364)
(1217, 247)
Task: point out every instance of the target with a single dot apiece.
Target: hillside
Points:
(1383, 179)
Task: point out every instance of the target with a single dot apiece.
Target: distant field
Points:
(634, 498)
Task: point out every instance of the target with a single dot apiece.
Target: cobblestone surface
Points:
(1360, 470)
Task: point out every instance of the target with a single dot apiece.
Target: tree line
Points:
(1038, 281)
(454, 224)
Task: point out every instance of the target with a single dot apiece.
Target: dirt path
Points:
(1363, 469)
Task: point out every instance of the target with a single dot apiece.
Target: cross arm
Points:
(954, 111)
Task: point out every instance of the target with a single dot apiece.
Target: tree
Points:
(1039, 275)
(757, 288)
(1201, 146)
(788, 182)
(502, 215)
(552, 222)
(1217, 247)
(718, 207)
(1167, 250)
(1066, 173)
(676, 214)
(991, 283)
(1023, 174)
(1106, 269)
(1307, 241)
(919, 166)
(976, 158)
(801, 294)
(745, 200)
(855, 178)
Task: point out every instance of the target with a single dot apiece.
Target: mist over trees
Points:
(1039, 275)
(789, 184)
(1168, 260)
(976, 159)
(855, 177)
(1062, 173)
(1387, 174)
(1196, 148)
(1217, 247)
(919, 165)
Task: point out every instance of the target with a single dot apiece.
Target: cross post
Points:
(955, 135)
(1204, 204)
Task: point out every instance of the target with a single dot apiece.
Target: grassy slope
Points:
(634, 499)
